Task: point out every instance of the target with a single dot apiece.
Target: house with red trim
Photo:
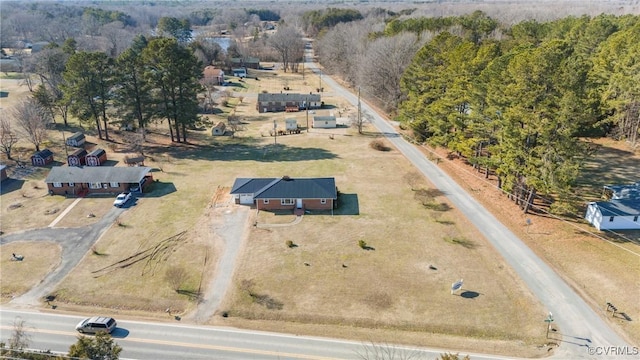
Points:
(286, 193)
(102, 180)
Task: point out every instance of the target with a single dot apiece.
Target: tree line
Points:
(516, 101)
(521, 107)
(155, 79)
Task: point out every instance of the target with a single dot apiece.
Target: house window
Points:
(71, 184)
(114, 184)
(323, 201)
(265, 201)
(95, 185)
(610, 218)
(57, 184)
(287, 201)
(105, 185)
(635, 219)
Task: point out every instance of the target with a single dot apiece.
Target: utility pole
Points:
(64, 140)
(307, 111)
(275, 133)
(359, 113)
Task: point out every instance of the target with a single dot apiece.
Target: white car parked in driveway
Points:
(122, 199)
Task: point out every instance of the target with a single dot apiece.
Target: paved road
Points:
(169, 341)
(581, 327)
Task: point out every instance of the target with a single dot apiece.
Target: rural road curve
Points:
(583, 331)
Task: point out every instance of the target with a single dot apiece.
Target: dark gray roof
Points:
(79, 152)
(627, 191)
(283, 97)
(76, 136)
(97, 152)
(89, 174)
(43, 153)
(287, 188)
(324, 118)
(249, 185)
(299, 188)
(620, 207)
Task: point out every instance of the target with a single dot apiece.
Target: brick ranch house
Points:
(286, 193)
(89, 180)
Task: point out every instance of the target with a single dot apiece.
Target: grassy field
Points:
(395, 292)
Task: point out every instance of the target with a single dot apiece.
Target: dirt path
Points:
(230, 224)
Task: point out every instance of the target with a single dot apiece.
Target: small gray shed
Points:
(76, 140)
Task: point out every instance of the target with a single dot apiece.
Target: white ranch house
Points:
(622, 212)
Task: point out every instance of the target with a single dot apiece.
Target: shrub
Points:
(362, 244)
(379, 145)
(290, 244)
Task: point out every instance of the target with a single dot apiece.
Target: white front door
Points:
(299, 203)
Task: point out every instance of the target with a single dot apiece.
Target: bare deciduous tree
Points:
(382, 66)
(19, 339)
(32, 120)
(8, 137)
(375, 351)
(287, 41)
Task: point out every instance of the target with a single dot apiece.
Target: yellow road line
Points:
(188, 345)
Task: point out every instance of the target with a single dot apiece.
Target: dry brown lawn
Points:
(601, 266)
(395, 292)
(17, 277)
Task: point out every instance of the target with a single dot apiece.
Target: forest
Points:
(519, 100)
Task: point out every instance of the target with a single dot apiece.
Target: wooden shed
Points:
(77, 158)
(76, 140)
(96, 158)
(219, 129)
(42, 158)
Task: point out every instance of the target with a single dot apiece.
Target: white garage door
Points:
(246, 199)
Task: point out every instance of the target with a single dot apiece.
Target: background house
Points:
(81, 181)
(42, 158)
(268, 102)
(286, 193)
(213, 75)
(247, 62)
